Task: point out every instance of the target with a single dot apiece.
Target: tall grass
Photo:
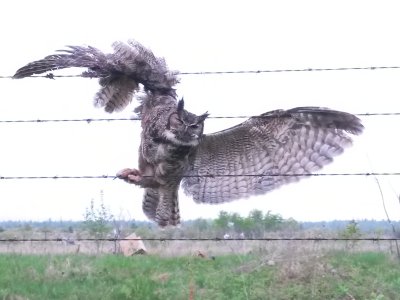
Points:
(328, 275)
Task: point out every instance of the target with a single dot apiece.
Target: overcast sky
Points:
(200, 36)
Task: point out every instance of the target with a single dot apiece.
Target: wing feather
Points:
(266, 152)
(120, 72)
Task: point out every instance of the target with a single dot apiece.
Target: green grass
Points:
(379, 275)
(334, 276)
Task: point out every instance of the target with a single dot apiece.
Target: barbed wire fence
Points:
(294, 70)
(203, 176)
(203, 73)
(90, 120)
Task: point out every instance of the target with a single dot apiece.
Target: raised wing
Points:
(266, 152)
(120, 72)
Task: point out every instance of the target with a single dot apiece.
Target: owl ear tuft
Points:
(181, 104)
(202, 117)
(179, 109)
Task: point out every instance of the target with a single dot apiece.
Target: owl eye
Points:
(175, 122)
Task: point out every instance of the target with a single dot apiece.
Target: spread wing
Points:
(264, 152)
(120, 72)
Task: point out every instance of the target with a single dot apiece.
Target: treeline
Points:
(253, 225)
(365, 225)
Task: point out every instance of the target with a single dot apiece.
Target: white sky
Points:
(199, 36)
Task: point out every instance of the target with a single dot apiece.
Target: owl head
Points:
(183, 127)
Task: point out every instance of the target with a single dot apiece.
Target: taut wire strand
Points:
(90, 120)
(199, 176)
(370, 68)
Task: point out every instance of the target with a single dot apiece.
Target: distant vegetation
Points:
(256, 224)
(99, 223)
(226, 267)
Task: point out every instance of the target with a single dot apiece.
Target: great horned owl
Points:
(251, 158)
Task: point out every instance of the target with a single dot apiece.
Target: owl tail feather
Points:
(167, 212)
(120, 72)
(161, 206)
(150, 202)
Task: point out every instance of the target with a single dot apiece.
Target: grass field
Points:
(236, 269)
(316, 275)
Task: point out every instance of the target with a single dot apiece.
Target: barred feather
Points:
(120, 72)
(167, 210)
(272, 148)
(115, 95)
(150, 202)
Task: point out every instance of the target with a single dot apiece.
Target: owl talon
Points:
(134, 178)
(130, 175)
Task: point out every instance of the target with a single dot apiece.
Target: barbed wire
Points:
(90, 120)
(216, 239)
(291, 70)
(55, 177)
(87, 120)
(371, 68)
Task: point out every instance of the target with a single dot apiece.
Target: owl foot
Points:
(136, 177)
(130, 176)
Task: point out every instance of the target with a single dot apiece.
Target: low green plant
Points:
(351, 233)
(97, 221)
(336, 275)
